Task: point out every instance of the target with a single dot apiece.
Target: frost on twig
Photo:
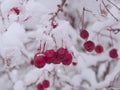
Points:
(32, 28)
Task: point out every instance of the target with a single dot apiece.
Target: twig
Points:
(60, 9)
(115, 31)
(114, 4)
(109, 11)
(83, 12)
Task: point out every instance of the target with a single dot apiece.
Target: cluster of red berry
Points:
(45, 84)
(62, 55)
(90, 45)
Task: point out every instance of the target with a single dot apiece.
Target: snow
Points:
(21, 35)
(31, 77)
(19, 85)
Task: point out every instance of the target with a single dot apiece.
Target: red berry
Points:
(84, 34)
(64, 56)
(56, 61)
(54, 25)
(99, 49)
(16, 10)
(40, 86)
(113, 53)
(61, 53)
(74, 63)
(50, 55)
(67, 62)
(60, 58)
(32, 62)
(39, 60)
(68, 59)
(46, 83)
(89, 46)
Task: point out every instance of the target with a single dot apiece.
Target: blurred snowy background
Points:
(27, 25)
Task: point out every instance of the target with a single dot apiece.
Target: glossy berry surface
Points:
(40, 86)
(89, 46)
(113, 53)
(84, 34)
(46, 83)
(39, 60)
(99, 49)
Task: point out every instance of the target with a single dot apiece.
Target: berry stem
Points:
(111, 38)
(54, 40)
(83, 12)
(44, 46)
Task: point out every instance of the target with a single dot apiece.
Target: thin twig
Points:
(109, 11)
(60, 9)
(114, 4)
(83, 12)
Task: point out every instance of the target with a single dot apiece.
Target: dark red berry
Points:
(68, 59)
(113, 53)
(56, 61)
(39, 60)
(62, 51)
(15, 10)
(89, 46)
(67, 62)
(74, 63)
(99, 49)
(40, 86)
(50, 55)
(61, 54)
(84, 34)
(54, 25)
(61, 58)
(32, 62)
(46, 83)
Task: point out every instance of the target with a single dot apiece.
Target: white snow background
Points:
(21, 35)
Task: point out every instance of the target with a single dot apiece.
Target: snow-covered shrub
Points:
(59, 44)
